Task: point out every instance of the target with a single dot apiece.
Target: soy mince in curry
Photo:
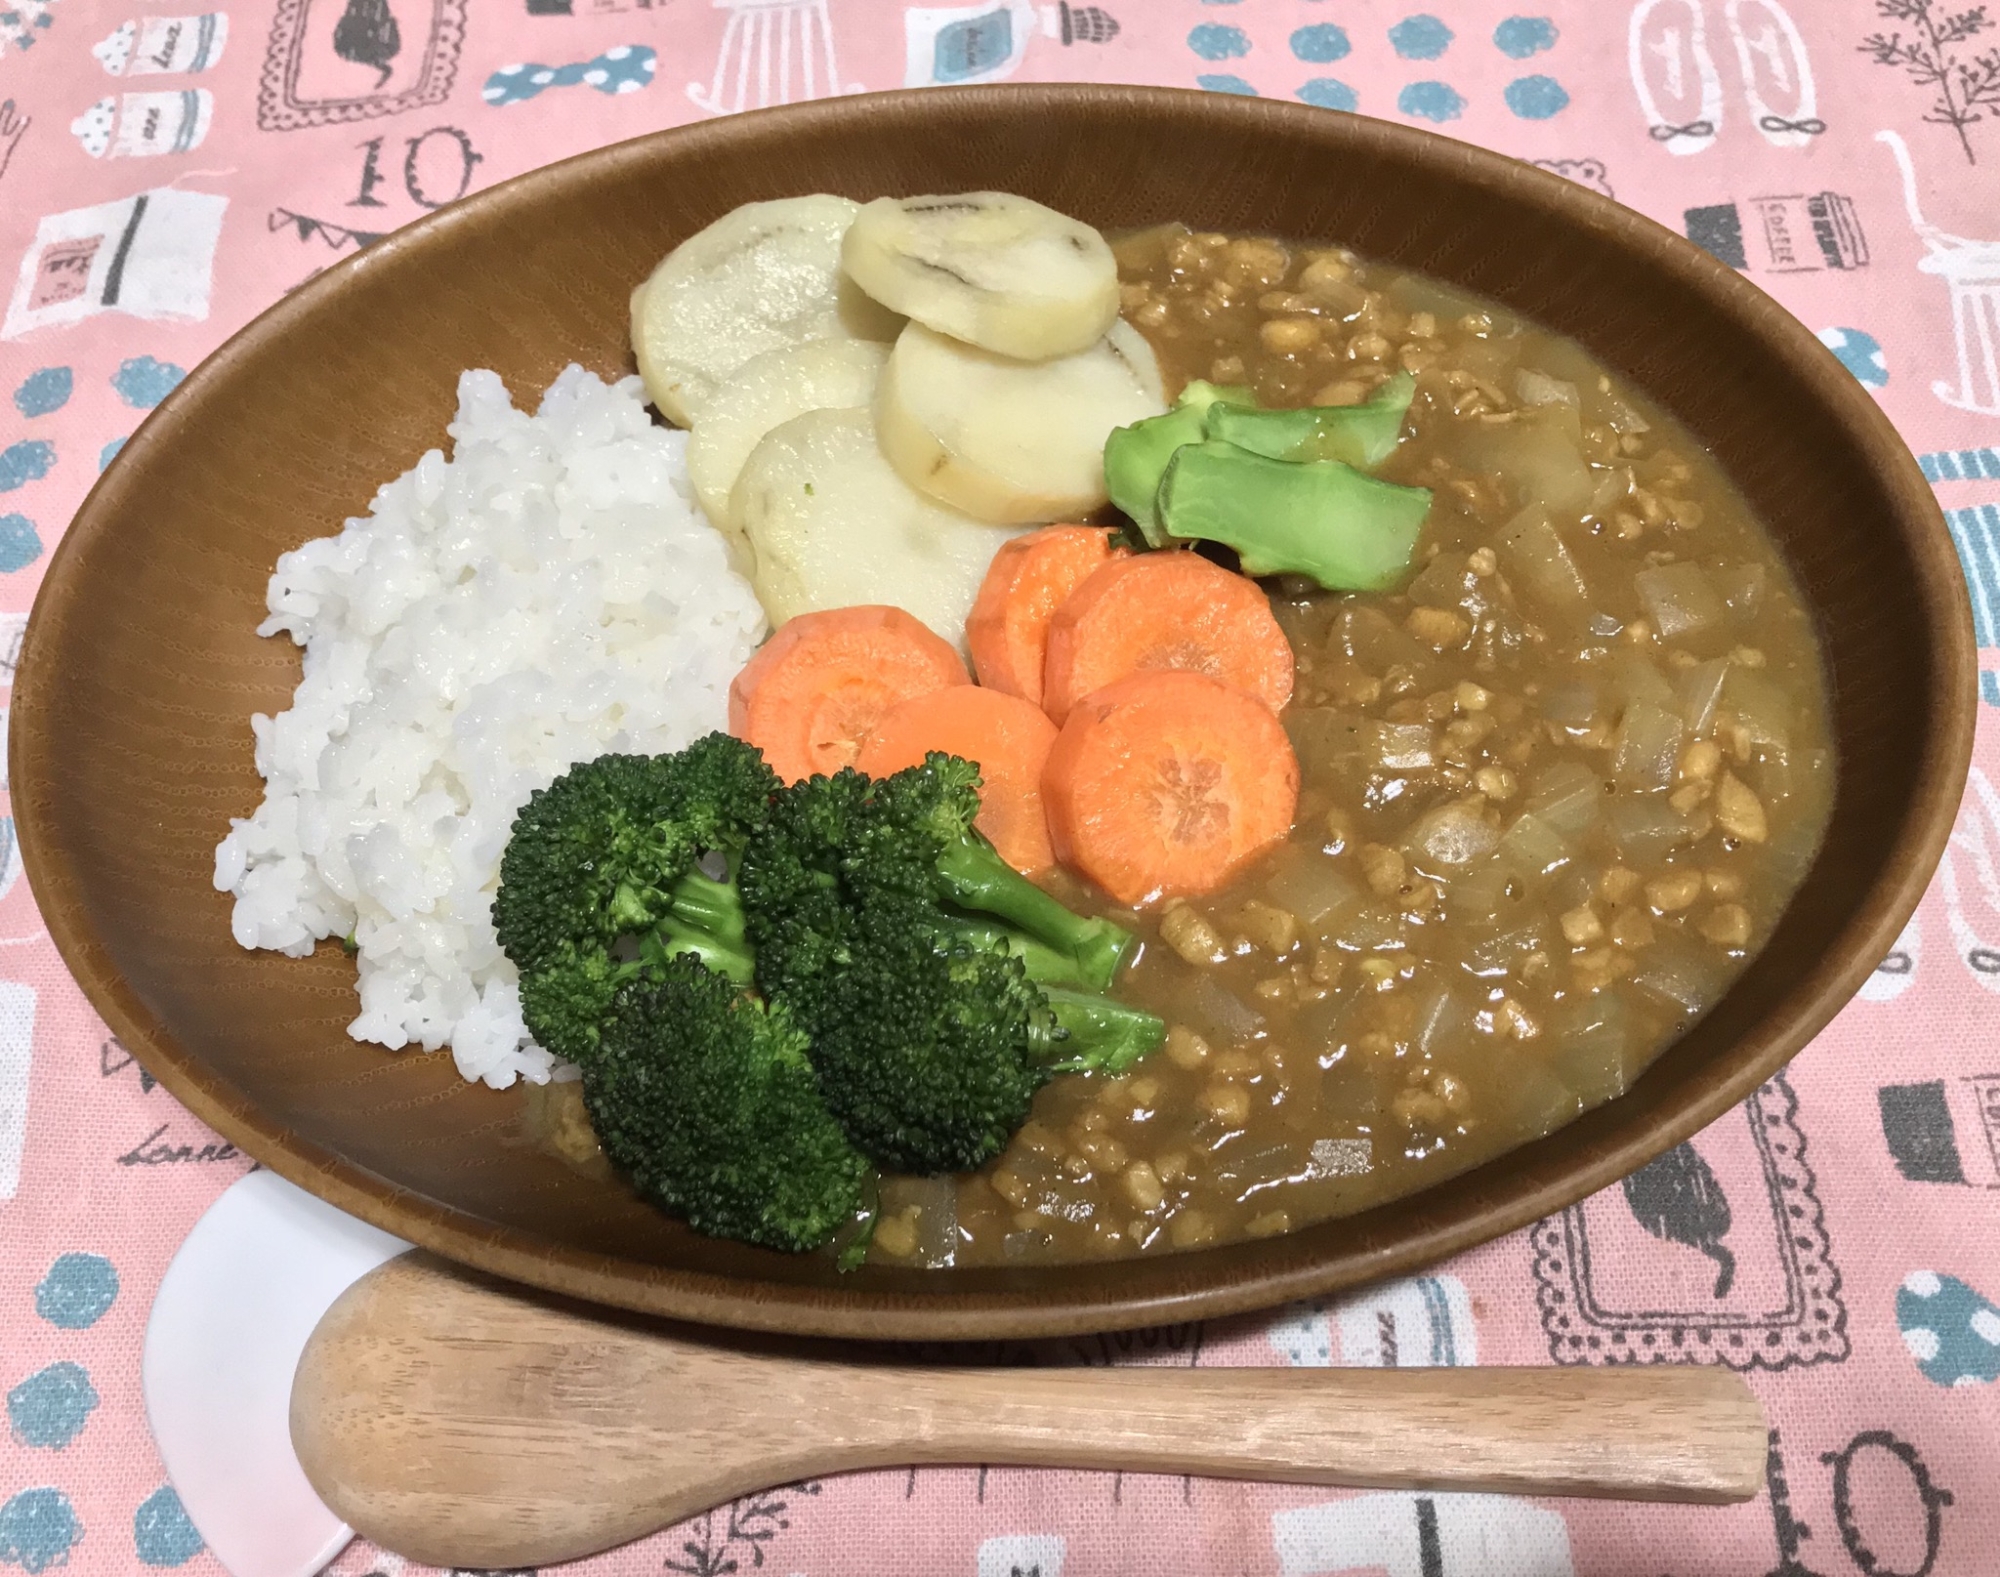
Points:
(1556, 791)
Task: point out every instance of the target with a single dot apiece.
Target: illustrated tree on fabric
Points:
(749, 1524)
(1967, 84)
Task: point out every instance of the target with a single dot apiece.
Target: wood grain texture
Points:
(456, 1422)
(131, 747)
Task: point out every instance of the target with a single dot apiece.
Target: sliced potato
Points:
(829, 374)
(763, 276)
(1011, 441)
(988, 268)
(831, 525)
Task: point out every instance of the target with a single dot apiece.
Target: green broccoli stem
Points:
(1045, 965)
(704, 917)
(704, 904)
(671, 941)
(975, 877)
(1099, 1035)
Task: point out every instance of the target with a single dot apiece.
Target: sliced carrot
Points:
(1027, 581)
(1165, 610)
(812, 692)
(1165, 785)
(1008, 737)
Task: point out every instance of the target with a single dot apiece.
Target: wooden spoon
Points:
(463, 1422)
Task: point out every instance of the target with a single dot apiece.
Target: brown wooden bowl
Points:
(131, 739)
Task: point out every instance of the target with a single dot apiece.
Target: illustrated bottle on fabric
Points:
(951, 45)
(151, 255)
(159, 45)
(145, 125)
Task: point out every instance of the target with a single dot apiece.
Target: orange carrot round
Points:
(1165, 610)
(1008, 737)
(1165, 785)
(1027, 581)
(812, 692)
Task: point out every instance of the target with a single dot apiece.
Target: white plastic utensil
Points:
(231, 1317)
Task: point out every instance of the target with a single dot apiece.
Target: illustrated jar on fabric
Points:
(142, 125)
(162, 45)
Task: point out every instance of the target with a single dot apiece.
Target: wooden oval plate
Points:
(131, 739)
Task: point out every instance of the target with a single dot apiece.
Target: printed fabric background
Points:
(167, 173)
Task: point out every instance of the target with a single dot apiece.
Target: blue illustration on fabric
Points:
(25, 462)
(1975, 532)
(143, 382)
(76, 1291)
(51, 1406)
(162, 1532)
(1223, 82)
(1861, 354)
(20, 543)
(1329, 93)
(38, 1529)
(1952, 1332)
(624, 68)
(1521, 36)
(110, 452)
(1320, 43)
(1218, 41)
(1958, 465)
(44, 390)
(1420, 37)
(1536, 98)
(1435, 101)
(973, 46)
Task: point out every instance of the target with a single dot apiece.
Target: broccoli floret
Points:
(930, 1044)
(924, 1052)
(913, 957)
(919, 839)
(705, 1098)
(605, 856)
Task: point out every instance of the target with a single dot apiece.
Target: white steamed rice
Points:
(550, 593)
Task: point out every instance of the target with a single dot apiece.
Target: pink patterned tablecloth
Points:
(1842, 153)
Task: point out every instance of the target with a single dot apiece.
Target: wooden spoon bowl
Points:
(131, 744)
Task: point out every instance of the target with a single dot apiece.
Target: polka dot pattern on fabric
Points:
(1218, 41)
(1536, 98)
(1320, 43)
(109, 452)
(20, 543)
(77, 1291)
(624, 68)
(1432, 101)
(143, 382)
(27, 461)
(38, 1529)
(49, 1409)
(1420, 37)
(1949, 1329)
(1329, 93)
(1521, 36)
(43, 391)
(162, 1533)
(1223, 82)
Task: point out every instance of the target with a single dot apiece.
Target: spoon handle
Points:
(1679, 1434)
(463, 1423)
